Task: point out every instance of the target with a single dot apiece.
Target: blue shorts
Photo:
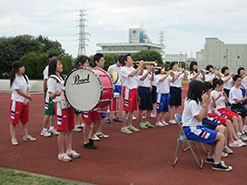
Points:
(103, 115)
(162, 102)
(243, 93)
(201, 134)
(118, 88)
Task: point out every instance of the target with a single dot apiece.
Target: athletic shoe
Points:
(95, 138)
(209, 160)
(236, 143)
(223, 154)
(165, 123)
(221, 167)
(80, 126)
(102, 135)
(134, 118)
(45, 133)
(148, 124)
(54, 132)
(64, 157)
(73, 153)
(90, 146)
(153, 115)
(29, 138)
(172, 121)
(76, 129)
(108, 120)
(125, 130)
(241, 142)
(227, 150)
(117, 120)
(160, 124)
(143, 116)
(243, 137)
(132, 128)
(143, 125)
(14, 142)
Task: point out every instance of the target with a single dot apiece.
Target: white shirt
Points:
(244, 82)
(163, 87)
(228, 84)
(53, 86)
(220, 102)
(22, 84)
(178, 82)
(210, 76)
(129, 82)
(116, 68)
(235, 93)
(46, 73)
(199, 78)
(146, 82)
(154, 82)
(191, 109)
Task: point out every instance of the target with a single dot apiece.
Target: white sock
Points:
(238, 134)
(51, 128)
(245, 127)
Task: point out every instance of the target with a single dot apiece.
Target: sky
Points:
(185, 23)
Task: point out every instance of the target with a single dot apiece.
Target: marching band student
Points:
(144, 96)
(210, 75)
(243, 87)
(99, 62)
(227, 78)
(194, 74)
(153, 86)
(130, 102)
(49, 110)
(236, 99)
(176, 91)
(195, 109)
(117, 86)
(19, 106)
(81, 62)
(162, 95)
(63, 112)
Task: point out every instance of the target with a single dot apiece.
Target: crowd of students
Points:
(214, 110)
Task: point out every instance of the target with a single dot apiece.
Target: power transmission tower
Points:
(82, 33)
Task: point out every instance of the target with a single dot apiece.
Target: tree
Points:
(149, 55)
(67, 63)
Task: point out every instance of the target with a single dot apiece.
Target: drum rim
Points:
(97, 79)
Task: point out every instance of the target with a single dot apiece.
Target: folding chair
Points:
(191, 144)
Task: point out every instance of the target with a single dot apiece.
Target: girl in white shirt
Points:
(63, 112)
(227, 78)
(195, 109)
(194, 73)
(243, 87)
(19, 107)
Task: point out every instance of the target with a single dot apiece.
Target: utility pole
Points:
(82, 33)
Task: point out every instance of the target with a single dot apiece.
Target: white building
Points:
(219, 54)
(138, 40)
(179, 58)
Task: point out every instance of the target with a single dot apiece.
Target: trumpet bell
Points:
(114, 75)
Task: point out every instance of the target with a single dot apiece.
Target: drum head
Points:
(114, 75)
(83, 89)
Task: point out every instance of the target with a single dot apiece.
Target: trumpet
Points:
(219, 74)
(146, 63)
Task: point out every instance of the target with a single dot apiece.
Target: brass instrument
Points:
(114, 75)
(146, 63)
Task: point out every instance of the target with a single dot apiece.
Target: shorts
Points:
(131, 100)
(103, 115)
(145, 98)
(154, 89)
(64, 117)
(216, 117)
(124, 92)
(19, 111)
(175, 96)
(201, 134)
(210, 123)
(49, 108)
(239, 109)
(227, 113)
(91, 116)
(118, 88)
(162, 102)
(243, 93)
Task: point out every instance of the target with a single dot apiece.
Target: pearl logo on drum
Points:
(78, 81)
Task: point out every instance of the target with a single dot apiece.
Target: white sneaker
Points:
(241, 142)
(132, 128)
(14, 142)
(243, 137)
(227, 150)
(95, 138)
(165, 123)
(64, 157)
(236, 143)
(29, 138)
(160, 124)
(102, 135)
(73, 154)
(134, 118)
(45, 133)
(125, 130)
(172, 121)
(223, 154)
(54, 132)
(76, 129)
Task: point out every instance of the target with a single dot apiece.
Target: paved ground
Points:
(143, 158)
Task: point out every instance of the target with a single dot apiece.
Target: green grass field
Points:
(13, 177)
